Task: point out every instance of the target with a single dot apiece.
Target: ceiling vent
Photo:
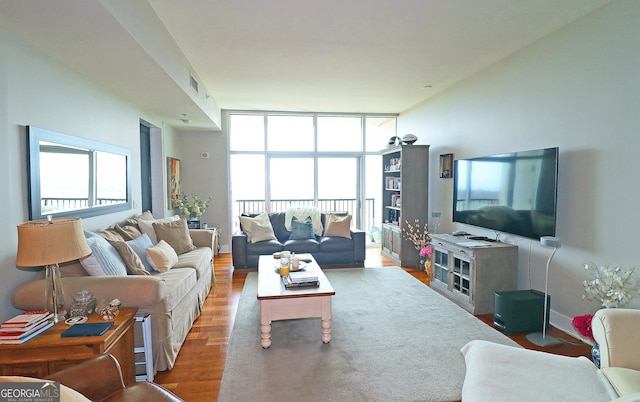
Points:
(194, 82)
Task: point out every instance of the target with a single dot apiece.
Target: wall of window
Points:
(331, 161)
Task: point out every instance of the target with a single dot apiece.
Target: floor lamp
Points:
(541, 338)
(48, 243)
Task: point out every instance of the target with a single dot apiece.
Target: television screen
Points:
(513, 193)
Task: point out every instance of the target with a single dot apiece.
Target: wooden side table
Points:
(48, 352)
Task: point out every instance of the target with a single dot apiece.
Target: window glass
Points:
(291, 179)
(246, 132)
(247, 183)
(290, 133)
(339, 133)
(378, 132)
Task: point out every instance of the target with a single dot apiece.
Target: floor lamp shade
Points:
(48, 243)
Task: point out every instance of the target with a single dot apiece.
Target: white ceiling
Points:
(376, 56)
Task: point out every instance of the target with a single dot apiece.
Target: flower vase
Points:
(595, 355)
(427, 268)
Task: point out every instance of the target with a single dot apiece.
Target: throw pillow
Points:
(130, 258)
(104, 259)
(245, 222)
(128, 232)
(262, 231)
(301, 229)
(140, 245)
(338, 226)
(162, 256)
(175, 233)
(146, 215)
(147, 226)
(110, 234)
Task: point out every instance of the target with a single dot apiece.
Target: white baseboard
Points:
(564, 324)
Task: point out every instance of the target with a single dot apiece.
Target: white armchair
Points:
(504, 373)
(616, 331)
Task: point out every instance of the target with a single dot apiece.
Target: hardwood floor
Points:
(198, 370)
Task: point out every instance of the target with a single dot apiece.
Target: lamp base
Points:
(54, 294)
(542, 340)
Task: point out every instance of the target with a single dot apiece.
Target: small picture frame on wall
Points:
(446, 166)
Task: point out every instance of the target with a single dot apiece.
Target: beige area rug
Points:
(393, 339)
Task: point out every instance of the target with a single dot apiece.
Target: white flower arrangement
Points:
(614, 286)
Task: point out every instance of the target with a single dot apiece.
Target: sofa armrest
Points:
(133, 291)
(359, 244)
(616, 332)
(96, 378)
(239, 248)
(202, 237)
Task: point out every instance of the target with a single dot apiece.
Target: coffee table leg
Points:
(326, 331)
(266, 335)
(265, 323)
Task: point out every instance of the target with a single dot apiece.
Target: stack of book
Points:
(300, 280)
(25, 326)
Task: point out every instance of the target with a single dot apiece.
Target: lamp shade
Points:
(45, 242)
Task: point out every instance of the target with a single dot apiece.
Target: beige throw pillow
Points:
(245, 223)
(147, 226)
(162, 256)
(128, 232)
(130, 258)
(176, 234)
(338, 226)
(261, 231)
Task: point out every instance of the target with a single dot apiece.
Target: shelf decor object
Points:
(446, 166)
(47, 243)
(537, 338)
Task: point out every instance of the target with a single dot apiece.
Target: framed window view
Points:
(446, 166)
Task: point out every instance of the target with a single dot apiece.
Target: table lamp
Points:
(49, 242)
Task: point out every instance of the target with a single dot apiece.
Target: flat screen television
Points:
(513, 193)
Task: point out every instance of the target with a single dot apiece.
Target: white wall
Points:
(208, 177)
(577, 89)
(37, 91)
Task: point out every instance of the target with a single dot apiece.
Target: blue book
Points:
(87, 329)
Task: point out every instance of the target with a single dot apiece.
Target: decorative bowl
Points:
(409, 139)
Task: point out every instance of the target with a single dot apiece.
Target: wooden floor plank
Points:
(198, 370)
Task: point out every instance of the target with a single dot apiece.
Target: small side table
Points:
(48, 352)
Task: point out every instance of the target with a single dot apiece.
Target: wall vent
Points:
(194, 82)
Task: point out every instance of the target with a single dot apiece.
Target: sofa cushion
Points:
(264, 247)
(301, 229)
(301, 246)
(277, 222)
(338, 226)
(147, 226)
(199, 259)
(140, 245)
(104, 259)
(130, 258)
(625, 381)
(334, 244)
(162, 256)
(176, 234)
(496, 372)
(261, 231)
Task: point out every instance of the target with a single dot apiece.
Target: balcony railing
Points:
(348, 205)
(69, 204)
